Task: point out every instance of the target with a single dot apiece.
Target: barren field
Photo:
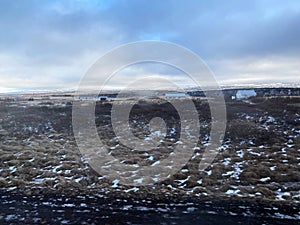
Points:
(258, 164)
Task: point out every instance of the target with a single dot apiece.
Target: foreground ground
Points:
(258, 162)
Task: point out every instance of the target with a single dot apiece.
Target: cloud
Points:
(253, 70)
(53, 43)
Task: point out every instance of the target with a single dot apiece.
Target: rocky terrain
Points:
(258, 161)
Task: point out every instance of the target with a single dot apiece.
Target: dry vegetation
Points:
(259, 158)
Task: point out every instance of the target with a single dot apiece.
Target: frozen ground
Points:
(100, 209)
(258, 162)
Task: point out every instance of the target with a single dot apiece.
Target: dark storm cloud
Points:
(42, 29)
(215, 27)
(225, 28)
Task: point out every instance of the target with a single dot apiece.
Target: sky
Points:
(51, 44)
